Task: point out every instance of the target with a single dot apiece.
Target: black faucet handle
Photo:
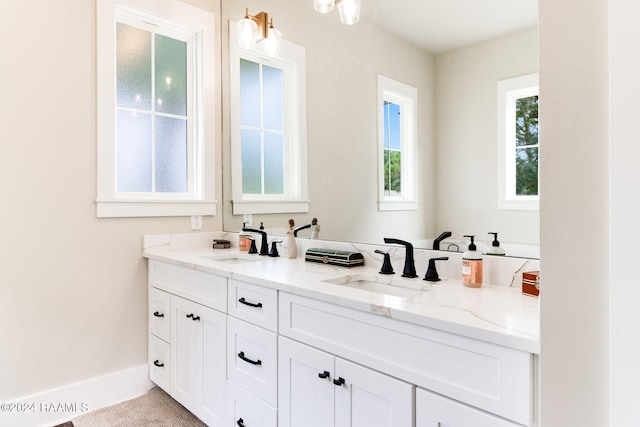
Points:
(253, 249)
(387, 268)
(274, 248)
(432, 273)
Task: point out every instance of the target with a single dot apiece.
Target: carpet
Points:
(155, 408)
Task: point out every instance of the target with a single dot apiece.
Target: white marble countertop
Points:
(496, 314)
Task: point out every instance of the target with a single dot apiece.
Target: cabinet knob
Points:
(339, 381)
(324, 375)
(158, 314)
(246, 359)
(240, 422)
(158, 364)
(250, 304)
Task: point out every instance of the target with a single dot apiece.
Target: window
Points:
(268, 129)
(518, 143)
(397, 134)
(155, 150)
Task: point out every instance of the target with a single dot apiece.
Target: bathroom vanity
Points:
(249, 340)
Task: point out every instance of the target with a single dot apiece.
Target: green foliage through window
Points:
(527, 146)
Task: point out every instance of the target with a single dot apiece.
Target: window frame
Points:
(407, 97)
(508, 91)
(181, 21)
(292, 60)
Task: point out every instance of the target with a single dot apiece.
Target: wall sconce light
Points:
(349, 9)
(254, 29)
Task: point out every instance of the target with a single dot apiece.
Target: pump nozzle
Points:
(472, 246)
(495, 239)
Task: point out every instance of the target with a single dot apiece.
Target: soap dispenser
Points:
(495, 248)
(472, 266)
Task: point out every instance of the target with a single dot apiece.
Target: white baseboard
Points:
(62, 404)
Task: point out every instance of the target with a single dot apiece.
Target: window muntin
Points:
(397, 130)
(518, 143)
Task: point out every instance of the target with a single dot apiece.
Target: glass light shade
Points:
(323, 6)
(349, 11)
(271, 44)
(247, 33)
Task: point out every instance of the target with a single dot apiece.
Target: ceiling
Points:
(438, 26)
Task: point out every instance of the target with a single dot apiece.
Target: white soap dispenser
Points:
(472, 266)
(495, 248)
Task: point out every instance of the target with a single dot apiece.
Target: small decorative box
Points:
(221, 244)
(531, 283)
(333, 257)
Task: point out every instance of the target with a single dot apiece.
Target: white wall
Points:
(624, 231)
(466, 137)
(574, 213)
(72, 287)
(342, 64)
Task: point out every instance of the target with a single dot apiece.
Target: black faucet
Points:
(302, 227)
(264, 245)
(440, 238)
(409, 264)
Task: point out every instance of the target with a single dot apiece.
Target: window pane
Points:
(527, 121)
(171, 155)
(273, 104)
(392, 173)
(134, 152)
(171, 76)
(391, 125)
(249, 93)
(273, 163)
(133, 69)
(527, 171)
(251, 165)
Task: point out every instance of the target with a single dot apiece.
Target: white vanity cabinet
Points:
(471, 373)
(242, 355)
(187, 338)
(319, 389)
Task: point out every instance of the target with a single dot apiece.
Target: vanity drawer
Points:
(433, 410)
(159, 314)
(204, 288)
(159, 353)
(252, 359)
(245, 409)
(491, 377)
(254, 304)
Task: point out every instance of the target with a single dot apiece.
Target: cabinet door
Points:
(433, 410)
(186, 354)
(197, 359)
(369, 398)
(305, 387)
(213, 400)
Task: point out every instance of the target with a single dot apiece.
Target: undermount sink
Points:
(229, 260)
(392, 286)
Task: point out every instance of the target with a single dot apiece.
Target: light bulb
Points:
(247, 32)
(349, 11)
(323, 6)
(272, 42)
